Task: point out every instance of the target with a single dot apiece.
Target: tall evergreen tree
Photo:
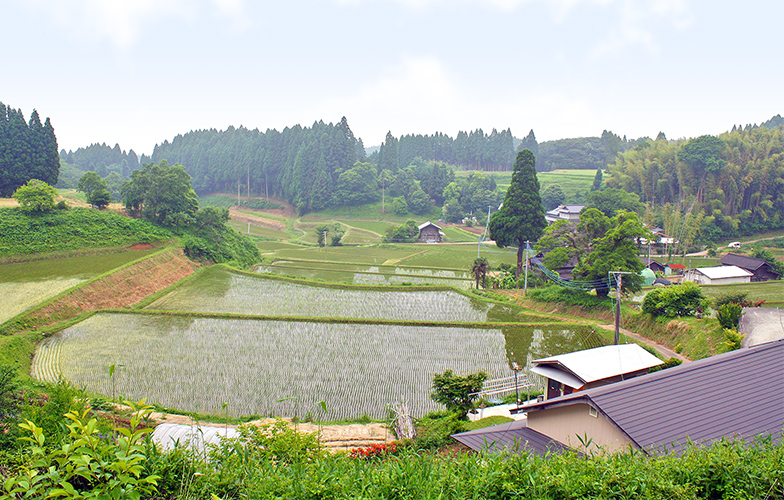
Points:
(521, 218)
(28, 150)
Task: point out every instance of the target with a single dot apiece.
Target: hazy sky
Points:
(140, 72)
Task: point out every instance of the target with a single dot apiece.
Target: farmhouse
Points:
(429, 233)
(576, 371)
(653, 265)
(760, 269)
(567, 212)
(719, 275)
(739, 394)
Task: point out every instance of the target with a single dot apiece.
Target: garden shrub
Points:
(732, 298)
(677, 300)
(732, 340)
(456, 391)
(434, 430)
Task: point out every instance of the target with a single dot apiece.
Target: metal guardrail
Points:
(503, 385)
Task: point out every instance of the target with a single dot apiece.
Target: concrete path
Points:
(760, 325)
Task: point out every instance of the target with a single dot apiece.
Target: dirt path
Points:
(666, 352)
(257, 220)
(332, 437)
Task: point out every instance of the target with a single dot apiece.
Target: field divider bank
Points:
(335, 320)
(123, 287)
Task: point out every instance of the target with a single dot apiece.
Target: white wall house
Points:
(720, 275)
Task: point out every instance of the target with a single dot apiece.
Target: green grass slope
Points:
(72, 229)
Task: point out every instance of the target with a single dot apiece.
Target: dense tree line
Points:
(723, 186)
(103, 160)
(474, 150)
(28, 150)
(311, 167)
(578, 153)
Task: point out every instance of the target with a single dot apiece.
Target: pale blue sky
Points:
(140, 72)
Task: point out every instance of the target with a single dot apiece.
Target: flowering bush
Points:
(375, 451)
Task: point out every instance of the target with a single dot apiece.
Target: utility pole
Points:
(487, 223)
(619, 283)
(525, 286)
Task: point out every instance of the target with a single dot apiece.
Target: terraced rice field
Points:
(270, 367)
(18, 296)
(27, 284)
(217, 290)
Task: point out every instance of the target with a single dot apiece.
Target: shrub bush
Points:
(729, 315)
(677, 300)
(85, 464)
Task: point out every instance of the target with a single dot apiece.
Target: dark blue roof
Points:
(512, 437)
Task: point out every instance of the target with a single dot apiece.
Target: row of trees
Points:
(103, 160)
(28, 150)
(475, 150)
(304, 165)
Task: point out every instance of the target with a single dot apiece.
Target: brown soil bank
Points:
(123, 288)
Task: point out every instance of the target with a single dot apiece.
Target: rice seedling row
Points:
(220, 291)
(269, 367)
(46, 362)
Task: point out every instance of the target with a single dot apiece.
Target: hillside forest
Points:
(702, 189)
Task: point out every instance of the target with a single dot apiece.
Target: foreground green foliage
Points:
(84, 464)
(278, 462)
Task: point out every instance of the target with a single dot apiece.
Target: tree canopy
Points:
(28, 150)
(160, 192)
(521, 218)
(35, 196)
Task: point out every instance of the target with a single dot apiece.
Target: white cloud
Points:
(416, 91)
(122, 22)
(637, 21)
(421, 96)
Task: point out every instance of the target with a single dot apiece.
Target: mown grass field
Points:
(573, 182)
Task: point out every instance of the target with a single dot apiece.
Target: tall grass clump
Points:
(559, 294)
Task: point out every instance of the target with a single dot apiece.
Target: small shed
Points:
(719, 275)
(429, 233)
(670, 269)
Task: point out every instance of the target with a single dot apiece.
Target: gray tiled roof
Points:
(742, 261)
(739, 394)
(511, 436)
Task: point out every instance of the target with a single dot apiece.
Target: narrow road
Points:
(760, 325)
